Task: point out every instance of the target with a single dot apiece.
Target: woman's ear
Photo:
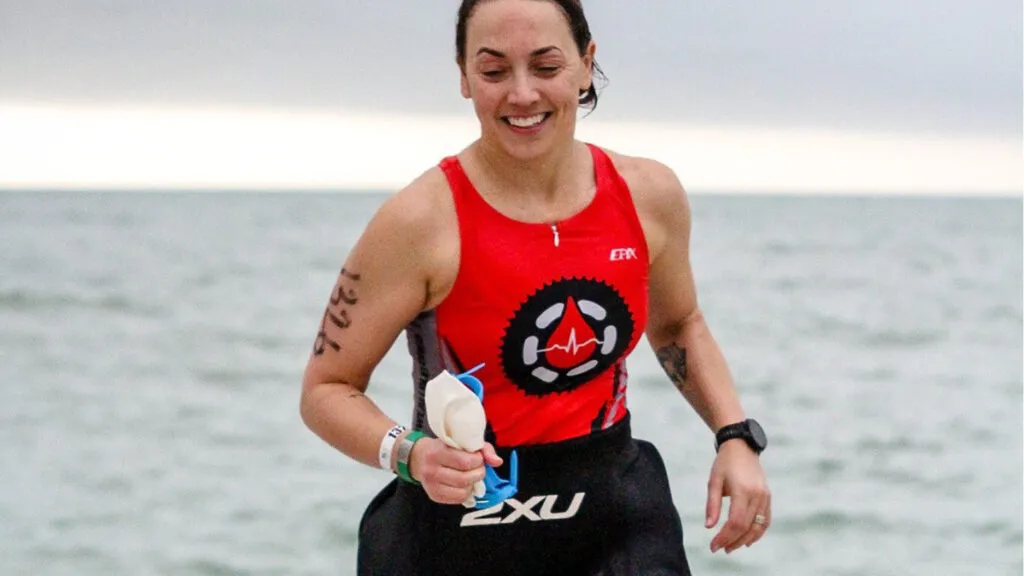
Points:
(463, 82)
(588, 64)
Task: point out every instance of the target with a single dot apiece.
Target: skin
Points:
(520, 61)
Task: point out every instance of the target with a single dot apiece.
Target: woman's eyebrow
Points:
(498, 54)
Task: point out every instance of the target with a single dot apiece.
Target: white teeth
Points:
(527, 122)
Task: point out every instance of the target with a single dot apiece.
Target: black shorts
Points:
(593, 506)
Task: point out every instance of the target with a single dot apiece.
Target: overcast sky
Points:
(950, 66)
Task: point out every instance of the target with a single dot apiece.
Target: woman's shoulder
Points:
(418, 208)
(655, 186)
(416, 230)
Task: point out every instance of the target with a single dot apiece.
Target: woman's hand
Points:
(448, 474)
(737, 474)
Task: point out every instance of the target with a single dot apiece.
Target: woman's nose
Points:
(523, 93)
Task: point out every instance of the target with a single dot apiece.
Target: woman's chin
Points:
(530, 147)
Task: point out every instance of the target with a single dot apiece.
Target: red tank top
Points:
(550, 310)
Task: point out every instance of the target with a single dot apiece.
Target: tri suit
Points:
(551, 311)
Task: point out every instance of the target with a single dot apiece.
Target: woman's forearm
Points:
(344, 417)
(695, 364)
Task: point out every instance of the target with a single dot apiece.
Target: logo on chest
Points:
(564, 335)
(622, 254)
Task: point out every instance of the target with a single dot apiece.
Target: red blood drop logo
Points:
(573, 340)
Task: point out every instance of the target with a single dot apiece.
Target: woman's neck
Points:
(544, 179)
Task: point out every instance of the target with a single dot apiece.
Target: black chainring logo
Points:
(564, 335)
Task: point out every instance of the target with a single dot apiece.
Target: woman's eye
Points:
(548, 69)
(492, 73)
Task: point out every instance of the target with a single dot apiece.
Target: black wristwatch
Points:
(749, 430)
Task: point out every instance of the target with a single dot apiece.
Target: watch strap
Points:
(404, 451)
(748, 430)
(729, 432)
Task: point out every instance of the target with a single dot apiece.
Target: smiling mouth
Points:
(526, 121)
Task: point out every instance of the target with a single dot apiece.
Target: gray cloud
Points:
(942, 65)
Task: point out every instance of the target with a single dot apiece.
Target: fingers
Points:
(758, 530)
(741, 530)
(457, 478)
(446, 474)
(741, 514)
(448, 494)
(753, 534)
(767, 512)
(714, 505)
(450, 490)
(460, 459)
(490, 456)
(745, 525)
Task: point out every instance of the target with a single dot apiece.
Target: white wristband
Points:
(387, 444)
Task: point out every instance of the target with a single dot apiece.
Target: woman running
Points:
(539, 260)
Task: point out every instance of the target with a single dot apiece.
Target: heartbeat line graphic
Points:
(571, 346)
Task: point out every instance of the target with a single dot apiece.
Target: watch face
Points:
(758, 434)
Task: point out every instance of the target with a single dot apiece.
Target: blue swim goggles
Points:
(497, 489)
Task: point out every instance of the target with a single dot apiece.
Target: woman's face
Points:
(524, 74)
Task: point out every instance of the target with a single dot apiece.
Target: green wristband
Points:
(404, 450)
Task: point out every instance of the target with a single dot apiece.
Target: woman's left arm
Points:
(689, 354)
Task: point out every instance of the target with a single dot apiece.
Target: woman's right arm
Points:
(380, 289)
(384, 284)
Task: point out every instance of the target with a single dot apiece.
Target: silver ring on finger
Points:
(759, 520)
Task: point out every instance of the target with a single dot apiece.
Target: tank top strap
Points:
(613, 186)
(464, 195)
(605, 173)
(604, 170)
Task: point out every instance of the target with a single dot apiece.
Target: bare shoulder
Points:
(658, 195)
(650, 181)
(386, 281)
(417, 229)
(418, 210)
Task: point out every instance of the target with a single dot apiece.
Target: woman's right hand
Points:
(448, 474)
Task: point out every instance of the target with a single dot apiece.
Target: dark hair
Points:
(573, 10)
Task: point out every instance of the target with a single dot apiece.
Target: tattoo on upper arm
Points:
(343, 296)
(673, 361)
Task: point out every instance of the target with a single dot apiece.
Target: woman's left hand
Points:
(737, 473)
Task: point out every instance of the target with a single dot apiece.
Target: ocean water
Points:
(152, 345)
